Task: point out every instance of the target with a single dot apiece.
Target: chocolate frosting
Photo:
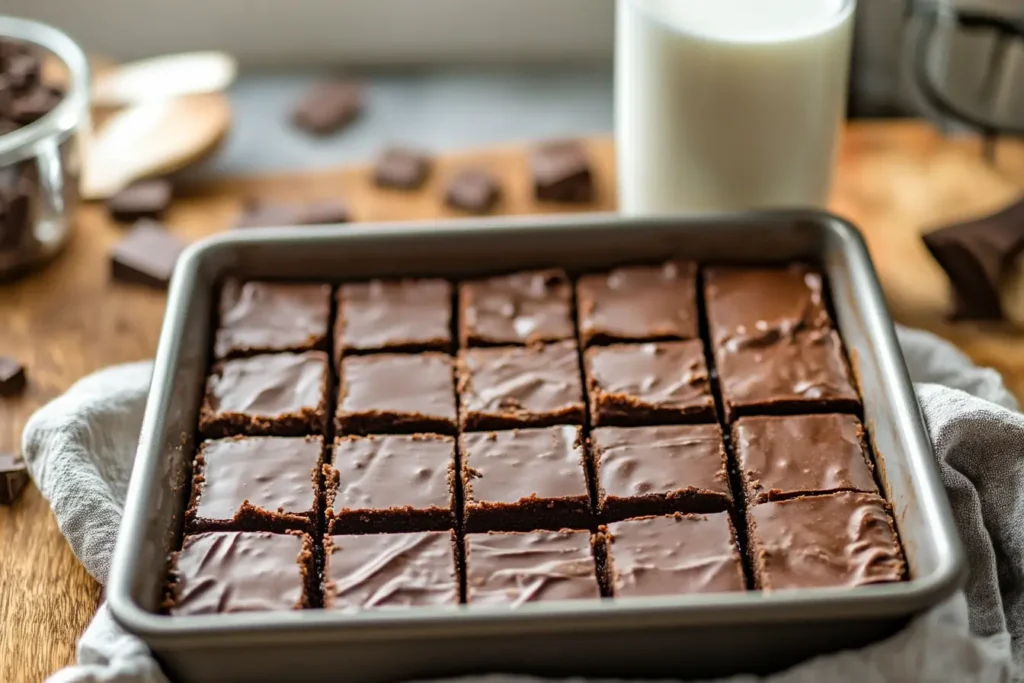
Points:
(269, 385)
(640, 302)
(390, 570)
(522, 308)
(674, 555)
(521, 380)
(420, 384)
(230, 571)
(394, 313)
(841, 539)
(664, 374)
(779, 456)
(516, 568)
(264, 316)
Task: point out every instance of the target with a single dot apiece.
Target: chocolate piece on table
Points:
(144, 199)
(651, 383)
(473, 190)
(328, 106)
(396, 393)
(781, 457)
(639, 303)
(524, 479)
(841, 539)
(12, 376)
(387, 483)
(390, 571)
(521, 308)
(280, 394)
(257, 213)
(673, 555)
(394, 315)
(146, 255)
(514, 568)
(256, 483)
(659, 470)
(240, 571)
(401, 168)
(324, 212)
(260, 317)
(561, 172)
(976, 256)
(13, 477)
(520, 387)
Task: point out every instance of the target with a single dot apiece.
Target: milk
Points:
(728, 104)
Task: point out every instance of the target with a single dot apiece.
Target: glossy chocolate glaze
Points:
(394, 315)
(522, 308)
(257, 317)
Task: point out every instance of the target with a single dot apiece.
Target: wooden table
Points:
(894, 180)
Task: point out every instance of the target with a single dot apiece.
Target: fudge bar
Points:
(241, 571)
(516, 568)
(263, 317)
(639, 303)
(281, 394)
(673, 555)
(394, 315)
(524, 479)
(390, 570)
(520, 387)
(522, 308)
(780, 457)
(652, 383)
(841, 539)
(397, 394)
(391, 483)
(256, 483)
(658, 470)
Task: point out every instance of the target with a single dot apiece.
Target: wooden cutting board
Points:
(894, 180)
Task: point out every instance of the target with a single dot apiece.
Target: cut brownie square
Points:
(842, 539)
(653, 383)
(659, 470)
(241, 571)
(517, 568)
(263, 317)
(280, 394)
(399, 482)
(780, 457)
(800, 374)
(524, 479)
(522, 308)
(639, 303)
(520, 387)
(396, 394)
(673, 555)
(394, 315)
(266, 483)
(390, 570)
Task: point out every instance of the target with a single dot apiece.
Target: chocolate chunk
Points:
(561, 172)
(144, 199)
(34, 104)
(401, 168)
(328, 106)
(12, 376)
(146, 255)
(260, 317)
(976, 255)
(326, 212)
(23, 97)
(522, 308)
(263, 214)
(473, 190)
(394, 315)
(13, 477)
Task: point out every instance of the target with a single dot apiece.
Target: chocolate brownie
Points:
(780, 457)
(390, 571)
(639, 303)
(394, 315)
(252, 483)
(659, 470)
(280, 394)
(401, 482)
(241, 571)
(524, 479)
(516, 568)
(263, 317)
(395, 393)
(521, 308)
(520, 387)
(842, 539)
(652, 383)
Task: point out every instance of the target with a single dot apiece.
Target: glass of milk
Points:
(729, 104)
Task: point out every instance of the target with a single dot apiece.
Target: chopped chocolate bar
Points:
(561, 172)
(473, 190)
(12, 376)
(328, 106)
(13, 477)
(146, 256)
(144, 199)
(401, 168)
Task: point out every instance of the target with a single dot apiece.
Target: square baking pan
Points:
(672, 636)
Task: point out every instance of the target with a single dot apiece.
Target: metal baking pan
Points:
(675, 636)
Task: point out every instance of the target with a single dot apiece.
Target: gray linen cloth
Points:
(80, 447)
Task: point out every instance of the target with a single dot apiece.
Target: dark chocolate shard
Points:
(328, 107)
(473, 190)
(13, 477)
(12, 376)
(144, 199)
(146, 255)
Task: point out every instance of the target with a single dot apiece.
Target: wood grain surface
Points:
(894, 180)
